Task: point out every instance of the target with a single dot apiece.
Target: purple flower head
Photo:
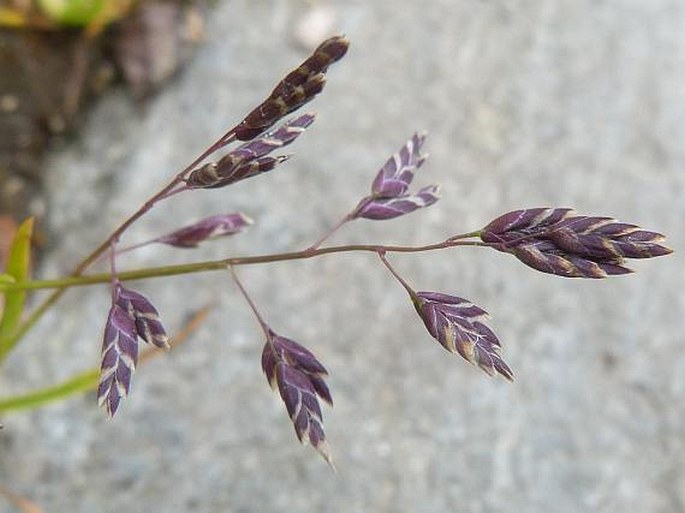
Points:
(397, 173)
(208, 228)
(119, 358)
(558, 241)
(282, 136)
(390, 196)
(146, 317)
(250, 158)
(131, 316)
(299, 377)
(297, 88)
(459, 326)
(387, 208)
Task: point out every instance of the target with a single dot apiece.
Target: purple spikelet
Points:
(299, 377)
(211, 227)
(459, 326)
(558, 241)
(389, 192)
(300, 86)
(119, 358)
(146, 317)
(251, 158)
(131, 316)
(380, 209)
(398, 171)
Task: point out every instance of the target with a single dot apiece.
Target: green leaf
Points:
(10, 17)
(85, 13)
(17, 270)
(78, 384)
(6, 279)
(73, 12)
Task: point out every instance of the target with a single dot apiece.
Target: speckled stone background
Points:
(571, 103)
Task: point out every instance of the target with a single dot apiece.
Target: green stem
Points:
(216, 265)
(88, 380)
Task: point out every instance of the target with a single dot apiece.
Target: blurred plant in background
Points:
(56, 57)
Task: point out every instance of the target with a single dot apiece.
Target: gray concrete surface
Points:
(572, 103)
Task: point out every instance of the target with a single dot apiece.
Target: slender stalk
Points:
(128, 249)
(216, 265)
(176, 191)
(329, 233)
(410, 291)
(253, 306)
(461, 236)
(113, 269)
